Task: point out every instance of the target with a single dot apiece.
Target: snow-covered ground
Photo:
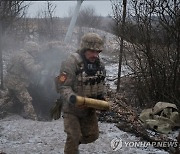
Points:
(111, 66)
(22, 136)
(112, 73)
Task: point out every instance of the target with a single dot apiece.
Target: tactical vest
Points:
(86, 85)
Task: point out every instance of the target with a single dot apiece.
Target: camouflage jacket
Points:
(68, 80)
(21, 69)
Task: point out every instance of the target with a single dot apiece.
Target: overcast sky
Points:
(102, 8)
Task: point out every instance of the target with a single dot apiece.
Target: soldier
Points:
(81, 74)
(20, 73)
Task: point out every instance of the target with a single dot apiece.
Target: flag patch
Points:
(62, 77)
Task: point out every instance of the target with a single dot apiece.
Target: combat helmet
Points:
(92, 41)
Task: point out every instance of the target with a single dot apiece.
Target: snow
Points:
(24, 136)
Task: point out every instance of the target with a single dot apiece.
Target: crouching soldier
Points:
(20, 73)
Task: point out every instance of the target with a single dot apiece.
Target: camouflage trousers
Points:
(18, 89)
(80, 130)
(25, 99)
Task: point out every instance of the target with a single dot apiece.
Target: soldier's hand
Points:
(72, 99)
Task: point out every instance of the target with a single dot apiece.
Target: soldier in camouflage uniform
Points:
(82, 74)
(20, 73)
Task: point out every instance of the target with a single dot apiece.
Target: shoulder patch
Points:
(62, 77)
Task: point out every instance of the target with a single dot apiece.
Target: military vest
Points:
(89, 85)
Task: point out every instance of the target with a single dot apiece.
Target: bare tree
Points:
(9, 12)
(119, 31)
(154, 33)
(46, 22)
(87, 18)
(169, 19)
(1, 60)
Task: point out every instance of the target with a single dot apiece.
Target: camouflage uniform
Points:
(81, 124)
(20, 73)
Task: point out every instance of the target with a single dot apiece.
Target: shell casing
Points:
(93, 103)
